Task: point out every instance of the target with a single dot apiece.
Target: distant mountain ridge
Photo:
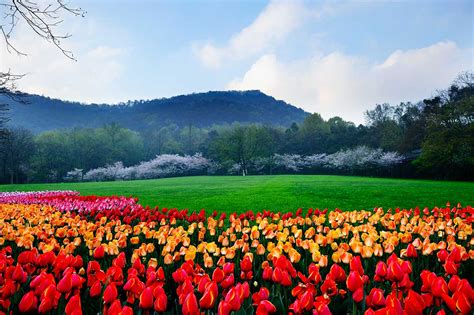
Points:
(199, 109)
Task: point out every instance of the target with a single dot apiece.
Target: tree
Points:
(121, 144)
(238, 145)
(387, 134)
(448, 148)
(52, 159)
(17, 147)
(314, 132)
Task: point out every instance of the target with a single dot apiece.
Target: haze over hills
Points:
(199, 109)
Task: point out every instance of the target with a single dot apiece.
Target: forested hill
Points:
(200, 110)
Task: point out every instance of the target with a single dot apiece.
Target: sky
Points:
(336, 58)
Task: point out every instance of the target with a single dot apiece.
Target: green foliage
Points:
(448, 148)
(58, 152)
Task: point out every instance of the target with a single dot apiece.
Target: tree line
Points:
(435, 137)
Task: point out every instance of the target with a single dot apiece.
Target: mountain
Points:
(199, 109)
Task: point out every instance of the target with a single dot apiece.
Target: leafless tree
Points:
(43, 18)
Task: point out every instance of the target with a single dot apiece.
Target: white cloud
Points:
(346, 86)
(274, 23)
(93, 78)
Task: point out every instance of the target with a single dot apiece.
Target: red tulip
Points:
(439, 287)
(190, 305)
(262, 294)
(277, 275)
(451, 267)
(228, 281)
(127, 310)
(228, 268)
(245, 290)
(45, 306)
(455, 255)
(395, 272)
(356, 265)
(115, 307)
(209, 297)
(161, 303)
(442, 255)
(427, 279)
(267, 273)
(411, 251)
(265, 307)
(285, 279)
(19, 275)
(380, 271)
(337, 273)
(329, 287)
(246, 264)
(307, 300)
(49, 293)
(453, 283)
(160, 274)
(376, 298)
(393, 305)
(463, 305)
(224, 308)
(354, 281)
(110, 293)
(203, 283)
(96, 289)
(233, 299)
(65, 284)
(146, 298)
(414, 303)
(358, 295)
(73, 307)
(218, 275)
(99, 252)
(406, 267)
(28, 303)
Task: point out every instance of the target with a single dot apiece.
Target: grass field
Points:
(284, 192)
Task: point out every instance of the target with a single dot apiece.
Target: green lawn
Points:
(284, 192)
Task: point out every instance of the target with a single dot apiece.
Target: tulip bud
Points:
(146, 298)
(28, 303)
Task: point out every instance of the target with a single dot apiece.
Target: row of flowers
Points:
(65, 253)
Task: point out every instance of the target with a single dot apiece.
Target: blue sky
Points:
(334, 57)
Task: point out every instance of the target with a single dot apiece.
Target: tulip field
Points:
(66, 253)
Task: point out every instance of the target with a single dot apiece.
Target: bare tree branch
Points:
(42, 18)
